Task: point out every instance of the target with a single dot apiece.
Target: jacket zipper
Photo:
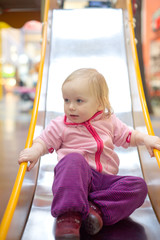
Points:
(99, 145)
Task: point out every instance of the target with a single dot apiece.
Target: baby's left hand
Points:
(152, 142)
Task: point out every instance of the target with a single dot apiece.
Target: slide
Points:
(95, 38)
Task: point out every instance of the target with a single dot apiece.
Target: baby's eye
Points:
(79, 100)
(66, 100)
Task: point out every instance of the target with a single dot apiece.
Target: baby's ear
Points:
(100, 108)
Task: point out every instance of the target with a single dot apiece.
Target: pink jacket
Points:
(94, 139)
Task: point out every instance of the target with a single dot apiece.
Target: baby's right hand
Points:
(29, 155)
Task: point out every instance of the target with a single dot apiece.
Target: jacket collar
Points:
(96, 116)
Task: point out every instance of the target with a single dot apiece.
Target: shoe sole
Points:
(67, 237)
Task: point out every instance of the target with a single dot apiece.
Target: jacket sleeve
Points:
(52, 134)
(121, 133)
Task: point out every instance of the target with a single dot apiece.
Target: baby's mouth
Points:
(74, 116)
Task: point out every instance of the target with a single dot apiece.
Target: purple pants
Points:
(76, 183)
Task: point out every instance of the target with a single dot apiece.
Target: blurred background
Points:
(20, 46)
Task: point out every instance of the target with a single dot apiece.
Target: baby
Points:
(86, 186)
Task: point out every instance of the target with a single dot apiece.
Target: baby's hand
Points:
(29, 155)
(152, 142)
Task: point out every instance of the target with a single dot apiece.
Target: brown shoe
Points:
(68, 226)
(93, 223)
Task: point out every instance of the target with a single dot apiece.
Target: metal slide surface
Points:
(89, 38)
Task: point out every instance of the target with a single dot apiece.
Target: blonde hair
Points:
(97, 84)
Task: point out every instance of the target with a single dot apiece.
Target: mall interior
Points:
(80, 33)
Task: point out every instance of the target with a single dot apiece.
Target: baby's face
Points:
(79, 102)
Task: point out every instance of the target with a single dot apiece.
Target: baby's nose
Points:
(72, 106)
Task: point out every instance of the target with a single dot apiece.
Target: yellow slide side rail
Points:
(139, 79)
(7, 218)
